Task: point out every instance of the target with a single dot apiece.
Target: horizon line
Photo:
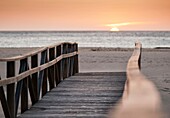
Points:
(82, 31)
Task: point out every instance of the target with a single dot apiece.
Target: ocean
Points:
(122, 39)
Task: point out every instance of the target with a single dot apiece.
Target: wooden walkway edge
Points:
(141, 98)
(85, 95)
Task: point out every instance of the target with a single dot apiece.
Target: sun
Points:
(115, 29)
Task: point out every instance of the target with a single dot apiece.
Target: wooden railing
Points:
(39, 72)
(140, 98)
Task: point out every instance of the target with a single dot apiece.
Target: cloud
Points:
(123, 24)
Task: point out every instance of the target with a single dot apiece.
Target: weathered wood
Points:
(24, 92)
(81, 96)
(34, 79)
(72, 61)
(19, 77)
(42, 81)
(140, 98)
(51, 69)
(69, 61)
(58, 66)
(24, 96)
(11, 88)
(23, 67)
(20, 57)
(65, 61)
(4, 103)
(34, 63)
(31, 90)
(44, 84)
(76, 68)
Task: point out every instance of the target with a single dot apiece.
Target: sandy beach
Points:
(155, 64)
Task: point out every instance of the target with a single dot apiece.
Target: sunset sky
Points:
(85, 15)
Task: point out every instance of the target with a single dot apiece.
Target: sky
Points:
(107, 15)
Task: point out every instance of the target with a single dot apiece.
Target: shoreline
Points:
(15, 51)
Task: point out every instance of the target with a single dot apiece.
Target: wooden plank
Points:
(65, 61)
(68, 61)
(24, 96)
(31, 90)
(76, 61)
(71, 61)
(58, 66)
(80, 97)
(20, 85)
(24, 91)
(51, 69)
(11, 88)
(44, 84)
(101, 73)
(34, 63)
(42, 81)
(22, 68)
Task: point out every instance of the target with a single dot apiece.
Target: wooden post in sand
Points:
(24, 88)
(34, 63)
(65, 50)
(51, 70)
(58, 65)
(11, 88)
(44, 60)
(76, 59)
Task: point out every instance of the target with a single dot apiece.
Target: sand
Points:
(155, 64)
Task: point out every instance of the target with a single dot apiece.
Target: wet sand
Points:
(155, 64)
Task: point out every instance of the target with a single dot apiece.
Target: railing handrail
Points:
(47, 67)
(21, 76)
(140, 97)
(34, 52)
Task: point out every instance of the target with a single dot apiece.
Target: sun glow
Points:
(115, 29)
(123, 24)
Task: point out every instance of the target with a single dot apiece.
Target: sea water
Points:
(124, 39)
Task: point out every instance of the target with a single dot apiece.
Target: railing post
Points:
(68, 61)
(65, 50)
(20, 87)
(24, 92)
(34, 63)
(139, 61)
(11, 88)
(62, 63)
(44, 73)
(51, 70)
(72, 61)
(58, 76)
(76, 59)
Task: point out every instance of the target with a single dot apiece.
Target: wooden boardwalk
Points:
(86, 95)
(50, 76)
